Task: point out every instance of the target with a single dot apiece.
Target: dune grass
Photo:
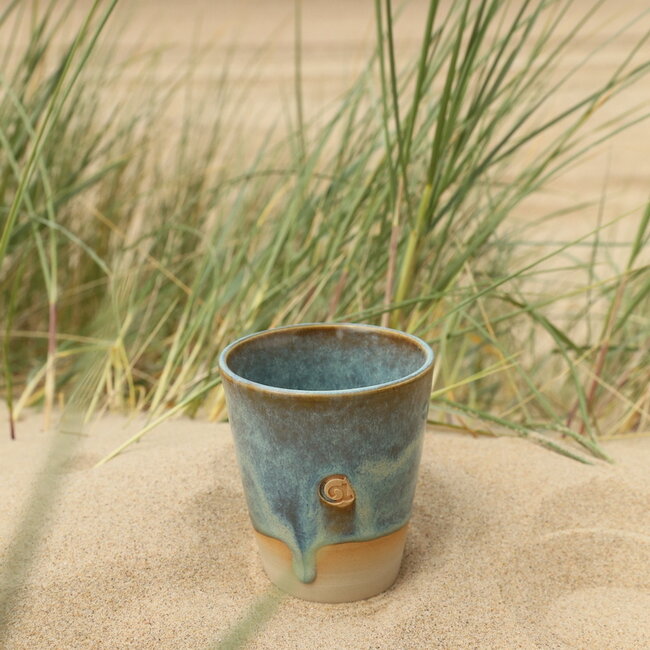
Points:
(149, 254)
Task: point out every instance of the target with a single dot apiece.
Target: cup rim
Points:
(233, 377)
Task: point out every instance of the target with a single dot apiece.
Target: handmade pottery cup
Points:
(328, 422)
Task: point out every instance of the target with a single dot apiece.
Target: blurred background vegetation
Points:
(475, 173)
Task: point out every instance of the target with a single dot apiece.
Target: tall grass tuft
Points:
(395, 207)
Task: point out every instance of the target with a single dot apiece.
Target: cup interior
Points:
(327, 357)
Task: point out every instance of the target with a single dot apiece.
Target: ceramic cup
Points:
(328, 422)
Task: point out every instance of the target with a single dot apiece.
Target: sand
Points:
(510, 546)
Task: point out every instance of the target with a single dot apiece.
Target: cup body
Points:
(328, 422)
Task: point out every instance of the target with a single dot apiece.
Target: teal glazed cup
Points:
(328, 422)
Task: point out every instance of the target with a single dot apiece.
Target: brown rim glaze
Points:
(228, 374)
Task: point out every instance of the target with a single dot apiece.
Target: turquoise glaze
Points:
(309, 401)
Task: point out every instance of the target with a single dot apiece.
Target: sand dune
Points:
(254, 41)
(510, 546)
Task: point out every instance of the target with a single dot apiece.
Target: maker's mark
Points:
(336, 491)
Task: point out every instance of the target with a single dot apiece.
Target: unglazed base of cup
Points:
(344, 572)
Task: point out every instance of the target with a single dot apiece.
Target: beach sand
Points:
(510, 546)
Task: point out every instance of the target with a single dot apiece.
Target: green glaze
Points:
(309, 401)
